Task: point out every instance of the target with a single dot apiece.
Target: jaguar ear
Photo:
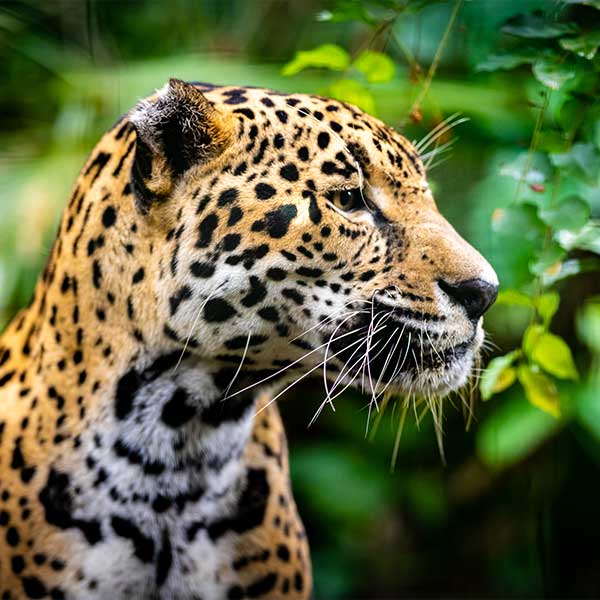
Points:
(176, 129)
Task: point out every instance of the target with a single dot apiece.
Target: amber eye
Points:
(347, 200)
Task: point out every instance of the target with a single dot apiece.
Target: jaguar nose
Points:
(474, 295)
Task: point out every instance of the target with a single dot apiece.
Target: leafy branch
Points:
(556, 183)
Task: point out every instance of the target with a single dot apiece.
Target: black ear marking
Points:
(176, 129)
(141, 170)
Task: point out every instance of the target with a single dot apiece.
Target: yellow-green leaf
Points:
(553, 354)
(505, 379)
(531, 336)
(377, 67)
(327, 56)
(540, 390)
(547, 305)
(514, 298)
(499, 375)
(353, 92)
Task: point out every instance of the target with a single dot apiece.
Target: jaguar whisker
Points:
(225, 396)
(301, 377)
(322, 405)
(292, 364)
(194, 323)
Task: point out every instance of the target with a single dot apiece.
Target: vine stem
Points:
(436, 59)
(535, 138)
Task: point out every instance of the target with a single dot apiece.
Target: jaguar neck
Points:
(169, 416)
(160, 418)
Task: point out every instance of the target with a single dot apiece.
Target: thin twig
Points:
(436, 59)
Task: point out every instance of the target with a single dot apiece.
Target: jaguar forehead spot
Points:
(202, 269)
(206, 229)
(277, 221)
(231, 241)
(235, 215)
(264, 191)
(109, 216)
(323, 140)
(289, 172)
(227, 197)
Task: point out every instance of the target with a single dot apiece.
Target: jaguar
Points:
(219, 244)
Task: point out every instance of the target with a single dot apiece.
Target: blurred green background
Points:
(516, 510)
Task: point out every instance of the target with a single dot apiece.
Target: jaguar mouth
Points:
(380, 351)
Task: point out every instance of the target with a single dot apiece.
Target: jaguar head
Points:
(296, 234)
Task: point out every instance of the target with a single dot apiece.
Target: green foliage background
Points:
(515, 511)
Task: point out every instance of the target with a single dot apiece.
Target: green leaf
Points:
(547, 304)
(327, 56)
(582, 158)
(499, 375)
(537, 27)
(588, 325)
(507, 60)
(553, 354)
(592, 3)
(529, 167)
(540, 390)
(587, 238)
(585, 45)
(553, 74)
(571, 112)
(587, 406)
(353, 92)
(571, 213)
(519, 220)
(547, 258)
(596, 133)
(517, 236)
(554, 140)
(512, 433)
(515, 298)
(377, 67)
(347, 10)
(568, 268)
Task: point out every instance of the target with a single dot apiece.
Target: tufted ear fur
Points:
(176, 129)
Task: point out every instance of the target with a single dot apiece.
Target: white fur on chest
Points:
(158, 484)
(195, 571)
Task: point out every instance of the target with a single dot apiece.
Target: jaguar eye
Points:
(347, 200)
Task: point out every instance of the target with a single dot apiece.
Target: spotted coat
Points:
(217, 238)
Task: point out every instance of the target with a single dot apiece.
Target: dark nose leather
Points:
(474, 295)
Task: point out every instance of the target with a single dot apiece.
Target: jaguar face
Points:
(296, 234)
